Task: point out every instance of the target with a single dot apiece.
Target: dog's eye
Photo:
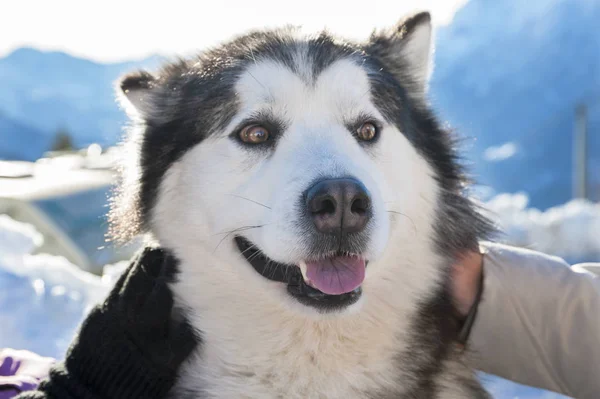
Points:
(367, 131)
(254, 134)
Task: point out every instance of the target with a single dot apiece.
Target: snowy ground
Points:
(571, 231)
(43, 298)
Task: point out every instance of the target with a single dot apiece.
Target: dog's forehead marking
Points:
(341, 90)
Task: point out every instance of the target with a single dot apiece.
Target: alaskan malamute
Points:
(315, 205)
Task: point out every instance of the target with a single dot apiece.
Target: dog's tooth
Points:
(303, 268)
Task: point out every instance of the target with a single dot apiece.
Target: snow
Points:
(17, 238)
(52, 183)
(43, 298)
(571, 231)
(59, 175)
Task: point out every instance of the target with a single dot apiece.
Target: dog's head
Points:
(297, 164)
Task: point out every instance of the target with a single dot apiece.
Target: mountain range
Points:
(42, 92)
(508, 77)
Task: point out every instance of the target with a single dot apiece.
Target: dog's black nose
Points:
(339, 206)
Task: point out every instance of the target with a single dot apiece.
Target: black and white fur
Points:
(192, 186)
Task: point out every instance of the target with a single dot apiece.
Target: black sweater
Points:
(130, 346)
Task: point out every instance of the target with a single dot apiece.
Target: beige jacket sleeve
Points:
(538, 322)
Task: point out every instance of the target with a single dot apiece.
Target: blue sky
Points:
(115, 30)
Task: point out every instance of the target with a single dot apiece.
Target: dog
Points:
(315, 205)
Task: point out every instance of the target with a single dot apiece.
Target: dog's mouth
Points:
(329, 283)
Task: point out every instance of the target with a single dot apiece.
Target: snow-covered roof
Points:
(58, 176)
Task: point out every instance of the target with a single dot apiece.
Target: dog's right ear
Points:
(407, 49)
(134, 91)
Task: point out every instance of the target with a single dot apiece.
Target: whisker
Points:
(249, 248)
(273, 268)
(227, 234)
(253, 77)
(255, 255)
(286, 273)
(248, 199)
(252, 55)
(257, 81)
(243, 228)
(406, 216)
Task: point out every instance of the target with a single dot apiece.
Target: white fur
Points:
(134, 103)
(258, 342)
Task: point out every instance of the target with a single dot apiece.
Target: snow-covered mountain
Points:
(19, 141)
(509, 73)
(47, 91)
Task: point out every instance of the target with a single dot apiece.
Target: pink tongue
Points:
(335, 276)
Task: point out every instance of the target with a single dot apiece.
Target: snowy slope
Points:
(510, 73)
(42, 298)
(52, 90)
(571, 231)
(20, 141)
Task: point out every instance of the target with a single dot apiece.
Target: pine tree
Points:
(62, 141)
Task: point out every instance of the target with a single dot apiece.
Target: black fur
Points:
(459, 226)
(190, 99)
(137, 81)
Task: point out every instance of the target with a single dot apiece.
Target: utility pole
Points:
(580, 153)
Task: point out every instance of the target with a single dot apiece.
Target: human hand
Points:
(465, 281)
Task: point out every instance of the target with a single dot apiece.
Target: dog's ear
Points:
(134, 92)
(407, 49)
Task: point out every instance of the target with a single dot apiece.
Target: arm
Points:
(538, 322)
(130, 346)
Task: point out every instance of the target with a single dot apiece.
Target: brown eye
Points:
(254, 134)
(367, 131)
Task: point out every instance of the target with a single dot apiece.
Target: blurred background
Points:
(518, 80)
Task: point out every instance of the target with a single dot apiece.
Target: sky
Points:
(117, 30)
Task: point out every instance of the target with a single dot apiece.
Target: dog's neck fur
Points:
(257, 347)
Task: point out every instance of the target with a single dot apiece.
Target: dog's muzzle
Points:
(292, 276)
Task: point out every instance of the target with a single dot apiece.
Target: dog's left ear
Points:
(407, 49)
(133, 91)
